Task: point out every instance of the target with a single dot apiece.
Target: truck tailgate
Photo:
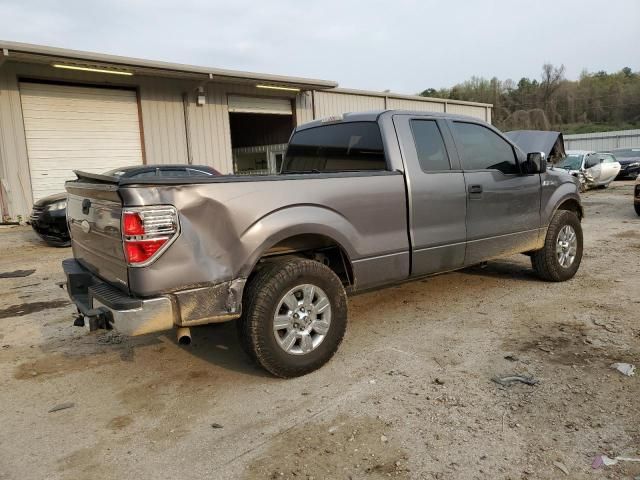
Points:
(94, 211)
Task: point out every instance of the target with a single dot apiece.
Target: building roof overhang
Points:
(26, 52)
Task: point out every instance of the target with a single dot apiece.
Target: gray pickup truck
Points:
(363, 200)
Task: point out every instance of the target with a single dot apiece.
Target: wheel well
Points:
(573, 206)
(316, 247)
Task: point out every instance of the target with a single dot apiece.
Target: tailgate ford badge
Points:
(85, 226)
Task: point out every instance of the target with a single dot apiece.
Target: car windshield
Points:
(572, 161)
(630, 153)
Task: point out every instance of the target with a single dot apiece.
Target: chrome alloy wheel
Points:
(302, 319)
(566, 246)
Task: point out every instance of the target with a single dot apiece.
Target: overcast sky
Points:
(404, 46)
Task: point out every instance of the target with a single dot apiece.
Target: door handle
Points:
(475, 189)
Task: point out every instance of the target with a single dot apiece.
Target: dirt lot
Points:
(407, 396)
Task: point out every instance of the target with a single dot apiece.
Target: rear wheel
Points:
(637, 207)
(561, 255)
(294, 316)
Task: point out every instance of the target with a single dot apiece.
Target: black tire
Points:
(636, 206)
(545, 261)
(262, 296)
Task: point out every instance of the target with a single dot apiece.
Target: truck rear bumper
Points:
(104, 306)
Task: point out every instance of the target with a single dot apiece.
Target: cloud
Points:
(405, 46)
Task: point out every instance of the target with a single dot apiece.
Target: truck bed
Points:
(228, 222)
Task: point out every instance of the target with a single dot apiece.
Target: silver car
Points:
(596, 169)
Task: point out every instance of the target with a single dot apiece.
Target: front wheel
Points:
(561, 255)
(637, 207)
(294, 316)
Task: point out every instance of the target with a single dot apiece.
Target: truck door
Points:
(503, 206)
(436, 194)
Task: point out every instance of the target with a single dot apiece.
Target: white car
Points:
(597, 169)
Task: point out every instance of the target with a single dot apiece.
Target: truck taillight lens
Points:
(147, 231)
(132, 224)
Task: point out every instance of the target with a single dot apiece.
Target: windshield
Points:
(572, 161)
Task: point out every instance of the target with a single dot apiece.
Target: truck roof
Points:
(374, 115)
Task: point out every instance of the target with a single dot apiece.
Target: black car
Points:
(49, 215)
(629, 159)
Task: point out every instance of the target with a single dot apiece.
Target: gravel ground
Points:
(408, 395)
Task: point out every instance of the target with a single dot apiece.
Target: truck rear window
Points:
(340, 147)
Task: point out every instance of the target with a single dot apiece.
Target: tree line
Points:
(595, 102)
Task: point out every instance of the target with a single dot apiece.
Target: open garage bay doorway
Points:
(260, 129)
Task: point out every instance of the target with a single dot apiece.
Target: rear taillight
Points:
(147, 231)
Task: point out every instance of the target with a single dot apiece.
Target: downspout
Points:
(187, 126)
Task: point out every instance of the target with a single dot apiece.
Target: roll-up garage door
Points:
(270, 105)
(77, 128)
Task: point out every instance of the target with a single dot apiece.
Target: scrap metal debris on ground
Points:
(509, 379)
(604, 460)
(625, 368)
(62, 406)
(17, 273)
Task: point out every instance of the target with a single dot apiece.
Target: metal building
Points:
(62, 110)
(602, 141)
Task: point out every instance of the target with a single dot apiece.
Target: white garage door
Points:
(270, 105)
(77, 128)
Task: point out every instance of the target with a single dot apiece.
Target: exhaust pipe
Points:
(183, 335)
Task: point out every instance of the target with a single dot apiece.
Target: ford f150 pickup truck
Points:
(363, 200)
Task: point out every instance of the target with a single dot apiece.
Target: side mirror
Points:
(536, 163)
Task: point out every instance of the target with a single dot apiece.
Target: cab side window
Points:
(482, 149)
(432, 153)
(340, 147)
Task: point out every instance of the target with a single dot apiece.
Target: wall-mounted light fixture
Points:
(89, 69)
(277, 87)
(201, 100)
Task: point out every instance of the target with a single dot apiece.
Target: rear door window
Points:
(192, 172)
(147, 174)
(174, 172)
(430, 148)
(340, 147)
(482, 149)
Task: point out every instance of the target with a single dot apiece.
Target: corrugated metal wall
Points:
(423, 106)
(602, 141)
(169, 134)
(331, 103)
(4, 210)
(16, 179)
(338, 101)
(163, 121)
(471, 110)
